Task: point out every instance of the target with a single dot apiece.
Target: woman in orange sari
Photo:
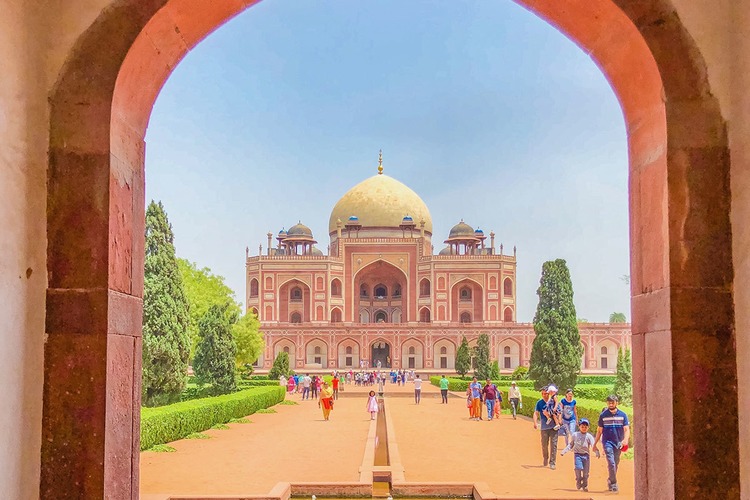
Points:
(326, 400)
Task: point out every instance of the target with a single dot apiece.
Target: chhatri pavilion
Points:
(381, 297)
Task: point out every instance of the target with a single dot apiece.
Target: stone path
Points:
(436, 443)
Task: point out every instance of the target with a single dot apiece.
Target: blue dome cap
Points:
(353, 217)
(408, 217)
(479, 231)
(282, 231)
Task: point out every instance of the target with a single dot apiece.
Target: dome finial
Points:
(380, 163)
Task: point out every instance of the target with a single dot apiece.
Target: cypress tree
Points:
(463, 358)
(624, 377)
(557, 350)
(482, 357)
(166, 343)
(495, 370)
(280, 366)
(214, 357)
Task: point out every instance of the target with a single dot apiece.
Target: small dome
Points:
(316, 251)
(478, 231)
(445, 251)
(299, 229)
(282, 231)
(408, 218)
(461, 229)
(353, 218)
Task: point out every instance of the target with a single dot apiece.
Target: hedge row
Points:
(169, 423)
(257, 383)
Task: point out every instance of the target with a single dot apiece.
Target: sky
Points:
(487, 112)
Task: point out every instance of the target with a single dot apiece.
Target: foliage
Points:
(463, 358)
(249, 341)
(520, 373)
(214, 356)
(482, 357)
(266, 410)
(173, 422)
(617, 317)
(166, 343)
(241, 420)
(624, 382)
(280, 367)
(557, 350)
(205, 289)
(221, 427)
(288, 402)
(494, 370)
(162, 448)
(596, 379)
(197, 435)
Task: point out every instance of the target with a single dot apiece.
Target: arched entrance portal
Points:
(681, 239)
(380, 354)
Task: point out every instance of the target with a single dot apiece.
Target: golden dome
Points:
(381, 201)
(460, 230)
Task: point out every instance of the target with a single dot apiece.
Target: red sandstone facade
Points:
(382, 296)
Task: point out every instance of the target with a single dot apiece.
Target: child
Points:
(581, 443)
(553, 410)
(372, 405)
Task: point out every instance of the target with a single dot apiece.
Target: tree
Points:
(482, 357)
(280, 366)
(624, 377)
(214, 361)
(520, 373)
(166, 343)
(463, 358)
(616, 317)
(249, 340)
(205, 289)
(557, 350)
(495, 370)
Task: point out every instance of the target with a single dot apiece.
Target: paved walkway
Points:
(436, 443)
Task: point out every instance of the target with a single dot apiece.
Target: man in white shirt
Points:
(417, 389)
(306, 382)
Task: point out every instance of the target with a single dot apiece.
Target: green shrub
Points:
(257, 383)
(196, 435)
(170, 423)
(241, 420)
(220, 427)
(520, 373)
(266, 410)
(597, 379)
(162, 448)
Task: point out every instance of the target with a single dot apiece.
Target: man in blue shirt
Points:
(476, 399)
(549, 434)
(614, 432)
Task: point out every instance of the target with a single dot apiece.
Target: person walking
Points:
(306, 383)
(326, 400)
(335, 386)
(290, 385)
(569, 414)
(614, 433)
(372, 405)
(476, 399)
(514, 396)
(417, 389)
(548, 431)
(580, 443)
(444, 390)
(489, 394)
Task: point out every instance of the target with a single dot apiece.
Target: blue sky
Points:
(486, 111)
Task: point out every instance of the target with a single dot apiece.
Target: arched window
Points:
(508, 314)
(269, 283)
(363, 291)
(349, 350)
(493, 282)
(253, 287)
(381, 317)
(295, 318)
(465, 317)
(465, 293)
(424, 288)
(443, 350)
(604, 350)
(286, 349)
(364, 316)
(319, 283)
(506, 350)
(336, 288)
(508, 287)
(412, 350)
(396, 291)
(295, 295)
(336, 316)
(254, 310)
(424, 315)
(396, 316)
(380, 292)
(441, 283)
(317, 349)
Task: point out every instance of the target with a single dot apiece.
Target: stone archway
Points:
(681, 255)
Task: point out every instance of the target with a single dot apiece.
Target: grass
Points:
(266, 410)
(197, 435)
(220, 426)
(162, 448)
(240, 421)
(288, 402)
